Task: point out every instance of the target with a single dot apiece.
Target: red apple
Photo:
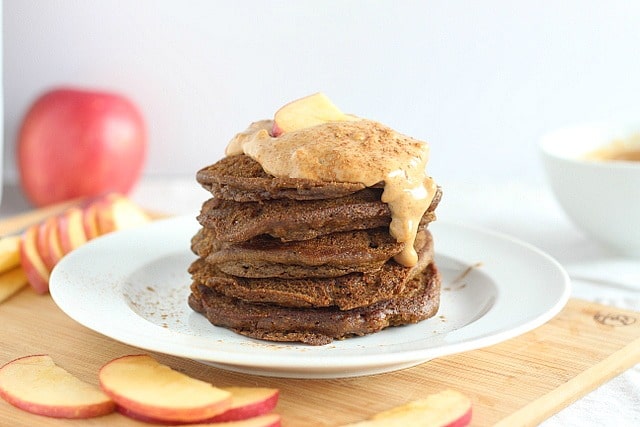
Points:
(76, 143)
(37, 385)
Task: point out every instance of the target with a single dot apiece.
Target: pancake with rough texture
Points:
(319, 326)
(345, 292)
(300, 219)
(329, 255)
(242, 179)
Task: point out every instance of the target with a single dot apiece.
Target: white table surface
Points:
(526, 211)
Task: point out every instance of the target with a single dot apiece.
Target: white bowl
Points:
(601, 197)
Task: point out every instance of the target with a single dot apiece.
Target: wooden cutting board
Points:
(519, 382)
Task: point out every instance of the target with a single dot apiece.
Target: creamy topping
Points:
(619, 149)
(360, 151)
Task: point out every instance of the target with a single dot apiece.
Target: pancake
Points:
(319, 326)
(309, 259)
(345, 292)
(242, 179)
(290, 220)
(329, 255)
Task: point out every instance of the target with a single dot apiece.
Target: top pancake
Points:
(242, 179)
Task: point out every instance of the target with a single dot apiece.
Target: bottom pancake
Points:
(318, 326)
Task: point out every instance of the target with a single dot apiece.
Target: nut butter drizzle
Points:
(361, 151)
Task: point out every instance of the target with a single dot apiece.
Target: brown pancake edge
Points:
(242, 179)
(320, 326)
(289, 220)
(346, 292)
(329, 255)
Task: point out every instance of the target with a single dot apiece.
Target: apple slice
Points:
(306, 112)
(448, 408)
(37, 385)
(53, 238)
(9, 252)
(117, 212)
(246, 402)
(31, 261)
(42, 244)
(90, 220)
(264, 420)
(11, 282)
(71, 229)
(268, 420)
(48, 242)
(148, 388)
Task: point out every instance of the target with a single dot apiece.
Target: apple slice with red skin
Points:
(59, 235)
(268, 420)
(146, 387)
(264, 420)
(55, 252)
(90, 220)
(246, 402)
(117, 212)
(31, 261)
(306, 112)
(104, 213)
(447, 408)
(71, 229)
(43, 245)
(36, 384)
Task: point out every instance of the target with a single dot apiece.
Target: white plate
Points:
(133, 286)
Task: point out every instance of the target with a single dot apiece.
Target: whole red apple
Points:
(79, 143)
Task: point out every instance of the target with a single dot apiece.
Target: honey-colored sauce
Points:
(624, 150)
(360, 151)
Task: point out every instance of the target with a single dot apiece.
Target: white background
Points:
(479, 80)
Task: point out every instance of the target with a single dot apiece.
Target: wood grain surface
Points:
(518, 382)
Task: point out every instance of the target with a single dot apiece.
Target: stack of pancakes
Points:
(290, 259)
